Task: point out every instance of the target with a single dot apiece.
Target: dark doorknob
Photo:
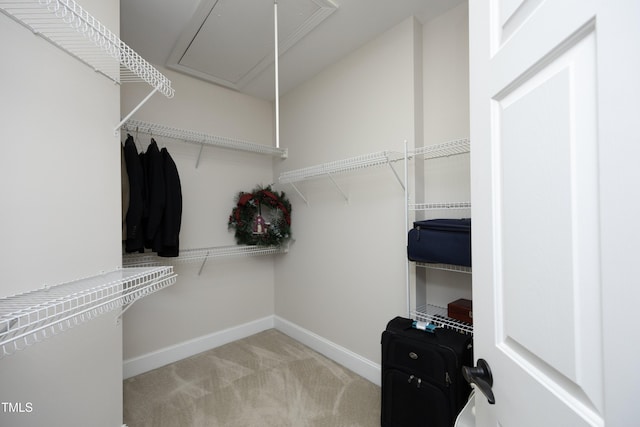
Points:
(481, 377)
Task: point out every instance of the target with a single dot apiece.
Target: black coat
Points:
(155, 201)
(166, 242)
(153, 165)
(135, 233)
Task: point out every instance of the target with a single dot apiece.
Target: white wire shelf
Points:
(439, 206)
(339, 166)
(31, 317)
(329, 169)
(202, 254)
(445, 267)
(446, 149)
(201, 138)
(438, 316)
(68, 26)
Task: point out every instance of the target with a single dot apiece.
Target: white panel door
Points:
(537, 192)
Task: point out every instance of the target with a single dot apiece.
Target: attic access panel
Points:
(230, 42)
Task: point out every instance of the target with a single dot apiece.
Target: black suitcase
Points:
(446, 241)
(422, 383)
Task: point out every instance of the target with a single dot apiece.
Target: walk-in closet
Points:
(138, 135)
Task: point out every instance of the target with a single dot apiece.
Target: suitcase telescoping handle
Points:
(481, 377)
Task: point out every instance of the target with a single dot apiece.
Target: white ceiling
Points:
(231, 42)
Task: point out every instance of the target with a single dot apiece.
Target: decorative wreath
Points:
(262, 217)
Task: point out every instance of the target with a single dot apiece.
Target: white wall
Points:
(446, 76)
(229, 292)
(344, 276)
(446, 118)
(60, 221)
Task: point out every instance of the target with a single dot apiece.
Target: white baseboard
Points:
(146, 362)
(345, 357)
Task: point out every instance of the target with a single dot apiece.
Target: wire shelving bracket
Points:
(340, 166)
(201, 138)
(68, 26)
(31, 317)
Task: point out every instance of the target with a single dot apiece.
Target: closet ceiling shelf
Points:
(450, 148)
(439, 206)
(201, 138)
(33, 316)
(68, 26)
(202, 254)
(438, 316)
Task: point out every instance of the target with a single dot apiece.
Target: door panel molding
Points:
(546, 193)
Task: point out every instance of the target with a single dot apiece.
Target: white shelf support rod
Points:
(299, 193)
(128, 306)
(396, 174)
(199, 154)
(338, 187)
(406, 224)
(204, 261)
(123, 121)
(277, 95)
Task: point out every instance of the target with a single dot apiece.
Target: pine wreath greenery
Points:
(276, 209)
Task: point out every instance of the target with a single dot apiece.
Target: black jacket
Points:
(135, 234)
(167, 237)
(156, 193)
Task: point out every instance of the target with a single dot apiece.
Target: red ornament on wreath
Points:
(255, 227)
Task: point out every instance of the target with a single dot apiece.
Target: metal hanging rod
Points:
(31, 317)
(201, 138)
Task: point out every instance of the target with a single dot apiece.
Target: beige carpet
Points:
(267, 379)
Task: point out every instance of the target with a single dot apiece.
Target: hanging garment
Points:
(145, 191)
(155, 194)
(135, 234)
(124, 189)
(166, 243)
